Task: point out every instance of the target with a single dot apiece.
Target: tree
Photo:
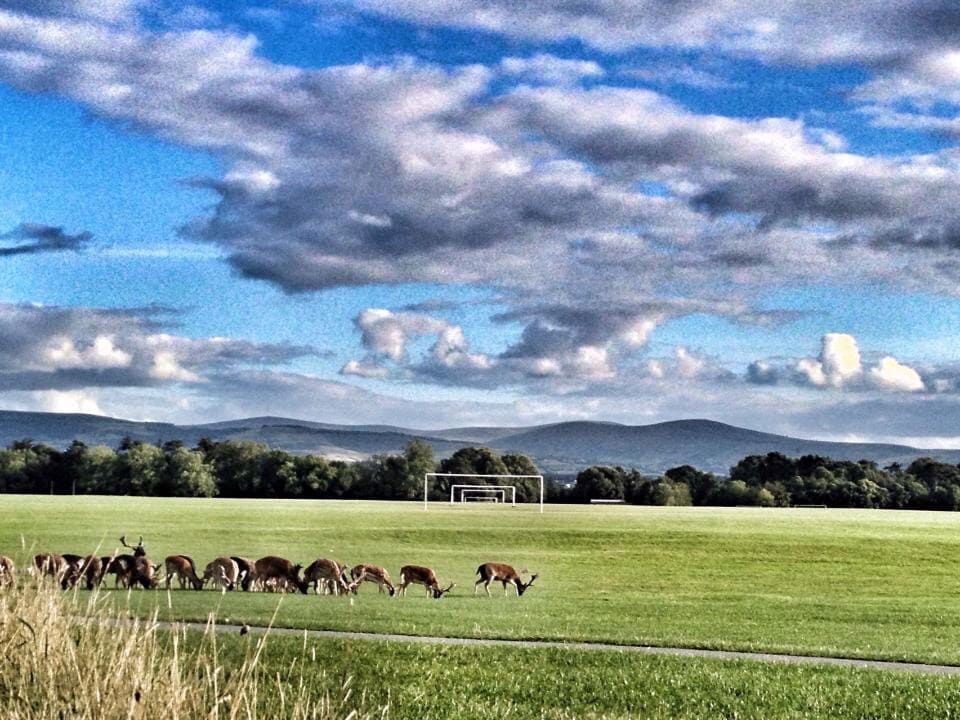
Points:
(189, 475)
(700, 484)
(139, 470)
(600, 482)
(237, 464)
(420, 461)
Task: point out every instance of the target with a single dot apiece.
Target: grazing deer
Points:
(120, 566)
(372, 573)
(133, 569)
(420, 575)
(331, 574)
(489, 572)
(72, 570)
(247, 572)
(181, 567)
(223, 571)
(272, 567)
(50, 565)
(8, 572)
(92, 570)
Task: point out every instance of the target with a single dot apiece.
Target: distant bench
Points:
(821, 507)
(602, 501)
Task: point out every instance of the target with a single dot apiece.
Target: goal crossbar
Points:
(475, 489)
(427, 476)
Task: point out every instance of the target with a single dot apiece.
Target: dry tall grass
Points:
(64, 657)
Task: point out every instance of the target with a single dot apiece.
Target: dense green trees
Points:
(237, 468)
(777, 480)
(242, 468)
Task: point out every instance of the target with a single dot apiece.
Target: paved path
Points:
(594, 646)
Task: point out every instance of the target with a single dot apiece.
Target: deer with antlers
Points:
(490, 572)
(372, 573)
(132, 569)
(419, 575)
(182, 568)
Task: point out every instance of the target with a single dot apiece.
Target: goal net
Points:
(495, 487)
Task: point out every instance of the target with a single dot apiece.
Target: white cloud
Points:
(364, 369)
(68, 401)
(890, 374)
(551, 69)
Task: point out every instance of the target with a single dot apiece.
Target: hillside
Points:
(558, 448)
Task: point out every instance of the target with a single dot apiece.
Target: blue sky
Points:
(437, 214)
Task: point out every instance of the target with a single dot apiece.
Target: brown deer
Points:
(133, 569)
(223, 571)
(410, 574)
(489, 572)
(72, 571)
(91, 570)
(330, 574)
(8, 572)
(50, 565)
(372, 573)
(272, 567)
(182, 568)
(247, 571)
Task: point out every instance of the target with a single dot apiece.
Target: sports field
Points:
(875, 584)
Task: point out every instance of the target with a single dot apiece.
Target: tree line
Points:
(242, 469)
(248, 469)
(775, 480)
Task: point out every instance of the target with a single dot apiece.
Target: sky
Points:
(440, 213)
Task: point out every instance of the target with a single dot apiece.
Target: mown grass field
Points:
(878, 584)
(419, 682)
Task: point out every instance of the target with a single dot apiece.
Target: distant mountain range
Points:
(560, 448)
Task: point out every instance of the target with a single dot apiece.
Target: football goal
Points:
(459, 486)
(470, 492)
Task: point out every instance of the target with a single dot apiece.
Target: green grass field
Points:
(877, 584)
(419, 682)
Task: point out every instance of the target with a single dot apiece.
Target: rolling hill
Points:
(560, 448)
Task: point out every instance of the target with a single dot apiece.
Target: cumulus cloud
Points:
(839, 366)
(67, 349)
(890, 374)
(32, 238)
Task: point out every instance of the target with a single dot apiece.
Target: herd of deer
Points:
(270, 573)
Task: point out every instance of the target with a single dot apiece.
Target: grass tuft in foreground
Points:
(62, 658)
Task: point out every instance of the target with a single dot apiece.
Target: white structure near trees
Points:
(475, 487)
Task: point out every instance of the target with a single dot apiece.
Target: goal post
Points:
(474, 489)
(513, 488)
(494, 496)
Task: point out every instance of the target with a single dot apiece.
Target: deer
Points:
(72, 570)
(247, 571)
(133, 569)
(223, 571)
(50, 565)
(181, 567)
(92, 570)
(489, 572)
(420, 575)
(372, 573)
(8, 572)
(329, 573)
(272, 567)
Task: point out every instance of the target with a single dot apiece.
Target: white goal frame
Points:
(474, 490)
(427, 476)
(478, 495)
